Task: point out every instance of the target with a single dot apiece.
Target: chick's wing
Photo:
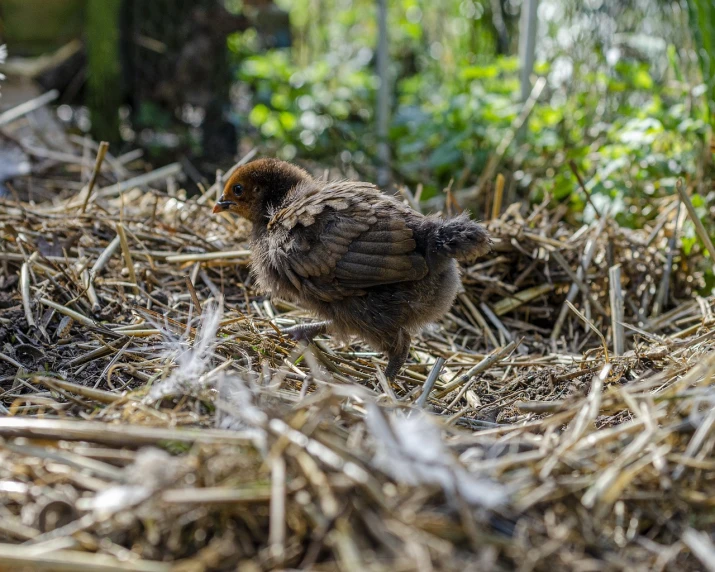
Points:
(339, 239)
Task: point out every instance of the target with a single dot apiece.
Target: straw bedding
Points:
(154, 418)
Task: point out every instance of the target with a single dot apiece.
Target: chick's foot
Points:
(306, 332)
(397, 355)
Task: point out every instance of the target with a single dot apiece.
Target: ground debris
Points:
(152, 412)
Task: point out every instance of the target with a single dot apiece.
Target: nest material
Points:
(154, 417)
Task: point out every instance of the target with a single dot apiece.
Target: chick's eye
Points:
(237, 190)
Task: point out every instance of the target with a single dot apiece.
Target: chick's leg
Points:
(306, 332)
(397, 355)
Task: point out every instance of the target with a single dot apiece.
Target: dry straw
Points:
(149, 432)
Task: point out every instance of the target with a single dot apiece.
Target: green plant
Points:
(629, 114)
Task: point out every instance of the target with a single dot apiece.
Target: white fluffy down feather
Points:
(410, 450)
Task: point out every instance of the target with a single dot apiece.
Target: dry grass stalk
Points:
(699, 227)
(498, 196)
(128, 261)
(617, 311)
(101, 153)
(7, 117)
(200, 442)
(25, 292)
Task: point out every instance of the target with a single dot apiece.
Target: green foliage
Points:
(306, 110)
(36, 27)
(436, 133)
(702, 22)
(629, 117)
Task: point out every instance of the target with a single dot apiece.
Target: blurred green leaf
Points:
(259, 115)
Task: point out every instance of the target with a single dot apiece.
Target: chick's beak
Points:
(222, 205)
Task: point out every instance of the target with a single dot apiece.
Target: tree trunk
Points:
(104, 68)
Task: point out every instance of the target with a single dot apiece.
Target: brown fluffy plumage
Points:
(362, 261)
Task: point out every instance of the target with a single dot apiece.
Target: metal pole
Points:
(527, 44)
(383, 96)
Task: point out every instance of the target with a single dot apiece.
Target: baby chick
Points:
(361, 260)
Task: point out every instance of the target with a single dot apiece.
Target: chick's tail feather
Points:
(460, 238)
